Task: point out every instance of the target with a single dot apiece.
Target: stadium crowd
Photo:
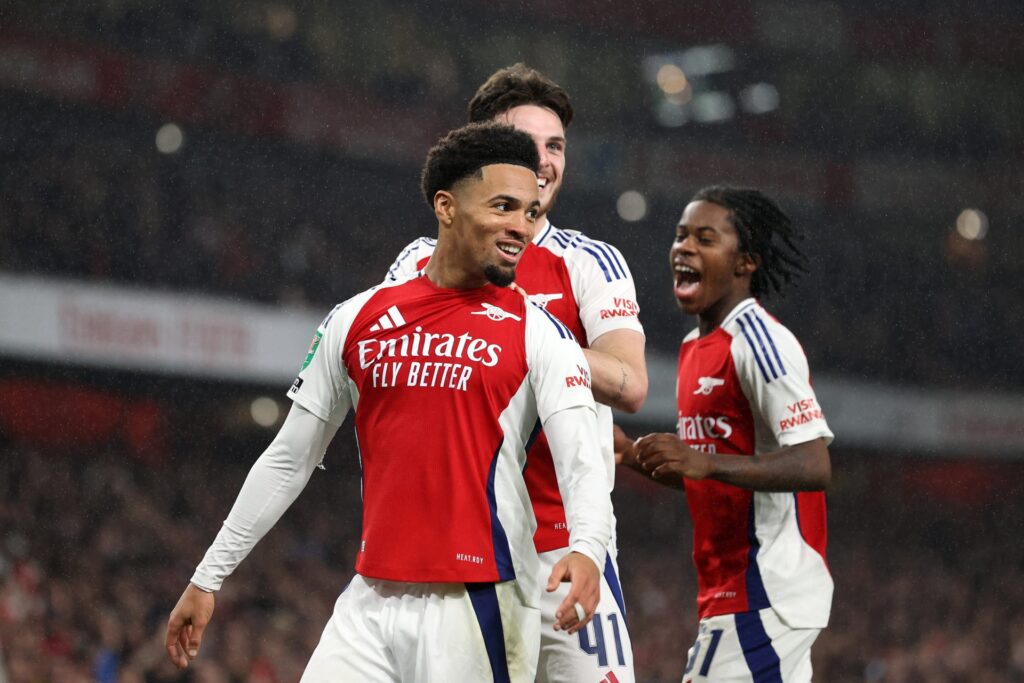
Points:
(86, 583)
(85, 195)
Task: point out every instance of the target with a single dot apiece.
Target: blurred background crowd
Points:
(269, 152)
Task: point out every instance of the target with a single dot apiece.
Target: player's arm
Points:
(801, 467)
(606, 295)
(273, 484)
(275, 480)
(584, 488)
(565, 406)
(618, 369)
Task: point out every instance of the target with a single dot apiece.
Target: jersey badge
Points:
(543, 300)
(496, 314)
(312, 350)
(707, 385)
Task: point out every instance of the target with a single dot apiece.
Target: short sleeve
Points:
(604, 287)
(322, 384)
(558, 371)
(775, 377)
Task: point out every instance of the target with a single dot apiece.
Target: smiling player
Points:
(751, 448)
(449, 375)
(585, 284)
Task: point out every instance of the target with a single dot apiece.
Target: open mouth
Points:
(510, 251)
(687, 280)
(542, 182)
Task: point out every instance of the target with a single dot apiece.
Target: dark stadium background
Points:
(187, 187)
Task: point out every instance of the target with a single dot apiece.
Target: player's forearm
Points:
(618, 379)
(803, 467)
(582, 480)
(273, 484)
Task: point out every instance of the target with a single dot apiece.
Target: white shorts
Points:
(750, 647)
(391, 632)
(599, 653)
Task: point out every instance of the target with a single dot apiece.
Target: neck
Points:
(446, 270)
(712, 317)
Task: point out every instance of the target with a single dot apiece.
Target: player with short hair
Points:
(586, 284)
(451, 375)
(752, 445)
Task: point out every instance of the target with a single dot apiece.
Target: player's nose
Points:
(520, 227)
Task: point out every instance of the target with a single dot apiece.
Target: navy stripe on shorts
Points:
(488, 614)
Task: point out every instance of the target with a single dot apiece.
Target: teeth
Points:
(680, 268)
(542, 183)
(509, 249)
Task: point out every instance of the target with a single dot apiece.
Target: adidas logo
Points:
(496, 314)
(707, 385)
(390, 320)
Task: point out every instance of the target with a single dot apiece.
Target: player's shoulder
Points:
(580, 250)
(759, 337)
(346, 311)
(538, 317)
(410, 256)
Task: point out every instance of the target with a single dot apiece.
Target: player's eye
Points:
(501, 206)
(531, 214)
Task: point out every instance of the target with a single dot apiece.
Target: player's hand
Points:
(522, 292)
(664, 455)
(625, 450)
(186, 624)
(585, 591)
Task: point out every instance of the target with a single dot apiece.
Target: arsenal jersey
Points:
(449, 387)
(745, 389)
(586, 284)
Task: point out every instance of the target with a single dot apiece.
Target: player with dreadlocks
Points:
(752, 445)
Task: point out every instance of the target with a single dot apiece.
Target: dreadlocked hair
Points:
(765, 232)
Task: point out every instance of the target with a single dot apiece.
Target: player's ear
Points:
(444, 207)
(747, 263)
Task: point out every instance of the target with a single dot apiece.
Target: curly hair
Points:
(464, 151)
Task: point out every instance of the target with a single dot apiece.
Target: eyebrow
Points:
(507, 198)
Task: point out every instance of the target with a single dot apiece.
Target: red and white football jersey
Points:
(745, 389)
(586, 284)
(448, 387)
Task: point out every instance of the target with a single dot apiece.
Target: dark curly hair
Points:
(465, 151)
(765, 232)
(517, 85)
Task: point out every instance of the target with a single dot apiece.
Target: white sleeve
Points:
(407, 263)
(604, 288)
(775, 377)
(572, 437)
(322, 385)
(560, 378)
(273, 484)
